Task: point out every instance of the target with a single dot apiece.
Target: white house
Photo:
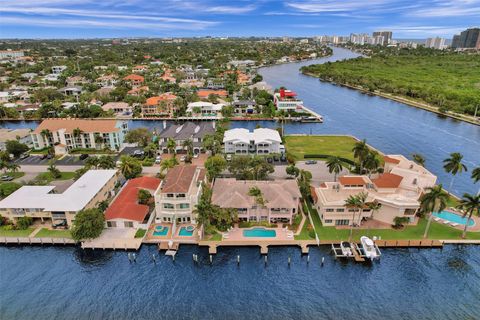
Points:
(260, 141)
(58, 69)
(205, 109)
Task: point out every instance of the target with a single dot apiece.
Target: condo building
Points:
(260, 141)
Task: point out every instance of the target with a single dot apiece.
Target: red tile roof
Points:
(205, 93)
(70, 124)
(134, 77)
(391, 160)
(153, 101)
(352, 181)
(388, 180)
(178, 179)
(126, 205)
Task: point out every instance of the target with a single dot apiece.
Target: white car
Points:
(229, 157)
(182, 158)
(158, 159)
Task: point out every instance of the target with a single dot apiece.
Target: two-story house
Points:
(186, 131)
(260, 141)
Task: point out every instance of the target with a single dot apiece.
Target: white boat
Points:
(369, 248)
(346, 248)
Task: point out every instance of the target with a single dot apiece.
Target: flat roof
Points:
(75, 198)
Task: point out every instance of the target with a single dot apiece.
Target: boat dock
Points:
(316, 115)
(357, 252)
(33, 240)
(213, 245)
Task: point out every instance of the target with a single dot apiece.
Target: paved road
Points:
(319, 172)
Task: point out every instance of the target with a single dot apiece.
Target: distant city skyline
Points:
(176, 18)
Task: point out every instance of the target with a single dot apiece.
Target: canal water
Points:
(387, 125)
(69, 283)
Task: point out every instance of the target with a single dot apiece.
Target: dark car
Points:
(83, 156)
(269, 160)
(283, 158)
(311, 162)
(44, 156)
(49, 156)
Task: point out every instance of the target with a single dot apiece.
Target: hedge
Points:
(326, 156)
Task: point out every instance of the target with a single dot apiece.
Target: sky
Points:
(408, 19)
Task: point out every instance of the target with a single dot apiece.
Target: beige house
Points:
(43, 204)
(397, 190)
(178, 194)
(281, 199)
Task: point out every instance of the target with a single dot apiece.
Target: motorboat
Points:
(346, 248)
(369, 248)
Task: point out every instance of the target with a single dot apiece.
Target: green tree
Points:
(15, 147)
(24, 222)
(476, 176)
(304, 180)
(471, 206)
(142, 136)
(88, 224)
(130, 167)
(53, 170)
(371, 162)
(215, 165)
(292, 170)
(151, 150)
(106, 162)
(144, 196)
(419, 159)
(334, 165)
(171, 146)
(168, 164)
(360, 152)
(211, 143)
(258, 195)
(454, 165)
(434, 200)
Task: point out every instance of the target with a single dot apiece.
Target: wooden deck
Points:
(33, 240)
(409, 243)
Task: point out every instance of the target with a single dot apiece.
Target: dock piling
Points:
(238, 260)
(266, 260)
(289, 261)
(154, 258)
(211, 259)
(323, 260)
(308, 258)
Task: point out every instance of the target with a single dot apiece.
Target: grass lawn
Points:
(14, 175)
(140, 233)
(15, 233)
(47, 176)
(437, 231)
(340, 146)
(215, 237)
(47, 233)
(305, 233)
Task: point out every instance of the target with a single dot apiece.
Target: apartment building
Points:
(43, 204)
(281, 199)
(185, 131)
(68, 134)
(178, 194)
(260, 141)
(397, 191)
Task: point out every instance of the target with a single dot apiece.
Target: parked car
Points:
(311, 162)
(229, 157)
(275, 158)
(24, 155)
(6, 177)
(283, 158)
(43, 156)
(49, 156)
(196, 155)
(83, 156)
(182, 158)
(138, 153)
(158, 159)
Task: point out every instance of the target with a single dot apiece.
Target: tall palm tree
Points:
(360, 152)
(355, 202)
(46, 134)
(362, 201)
(471, 205)
(454, 165)
(374, 206)
(171, 146)
(371, 162)
(434, 200)
(188, 145)
(419, 159)
(476, 176)
(77, 132)
(334, 165)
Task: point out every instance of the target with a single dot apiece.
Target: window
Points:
(328, 221)
(341, 210)
(111, 224)
(329, 210)
(168, 206)
(128, 224)
(342, 222)
(184, 206)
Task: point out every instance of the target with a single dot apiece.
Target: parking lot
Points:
(32, 160)
(70, 161)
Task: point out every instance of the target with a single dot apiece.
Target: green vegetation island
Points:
(444, 82)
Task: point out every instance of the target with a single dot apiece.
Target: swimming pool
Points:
(452, 217)
(160, 231)
(185, 232)
(259, 232)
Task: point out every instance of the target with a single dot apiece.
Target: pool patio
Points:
(474, 228)
(236, 234)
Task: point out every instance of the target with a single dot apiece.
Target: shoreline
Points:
(400, 99)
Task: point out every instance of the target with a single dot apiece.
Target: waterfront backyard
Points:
(328, 145)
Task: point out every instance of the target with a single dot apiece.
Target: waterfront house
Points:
(281, 199)
(205, 109)
(205, 93)
(118, 108)
(68, 134)
(135, 80)
(178, 194)
(242, 107)
(125, 211)
(162, 105)
(260, 141)
(44, 205)
(21, 135)
(185, 131)
(287, 100)
(397, 190)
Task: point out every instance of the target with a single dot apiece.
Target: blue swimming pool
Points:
(452, 217)
(184, 232)
(160, 231)
(259, 232)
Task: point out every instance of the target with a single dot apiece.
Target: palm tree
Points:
(371, 162)
(334, 165)
(471, 205)
(126, 166)
(362, 201)
(171, 146)
(476, 176)
(52, 168)
(188, 145)
(434, 200)
(77, 132)
(353, 203)
(168, 164)
(98, 139)
(454, 165)
(106, 162)
(374, 206)
(360, 152)
(418, 159)
(46, 134)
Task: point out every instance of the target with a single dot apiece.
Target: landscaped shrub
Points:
(148, 162)
(326, 156)
(140, 233)
(7, 188)
(24, 222)
(399, 222)
(311, 231)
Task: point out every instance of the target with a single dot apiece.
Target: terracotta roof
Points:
(86, 125)
(391, 160)
(204, 93)
(153, 101)
(352, 181)
(134, 77)
(179, 179)
(388, 180)
(126, 206)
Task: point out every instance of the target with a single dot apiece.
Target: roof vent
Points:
(197, 128)
(179, 129)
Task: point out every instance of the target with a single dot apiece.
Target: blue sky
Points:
(177, 18)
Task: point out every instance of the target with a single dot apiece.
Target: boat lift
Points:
(357, 250)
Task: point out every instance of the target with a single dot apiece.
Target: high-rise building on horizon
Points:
(468, 39)
(387, 36)
(435, 43)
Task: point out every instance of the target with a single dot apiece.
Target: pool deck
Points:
(474, 228)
